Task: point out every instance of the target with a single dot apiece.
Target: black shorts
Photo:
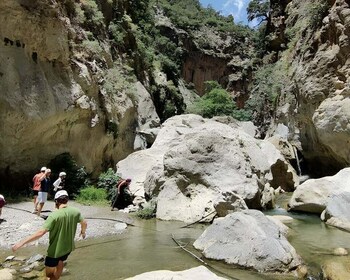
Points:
(35, 192)
(53, 262)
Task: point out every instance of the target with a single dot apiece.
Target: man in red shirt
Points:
(36, 187)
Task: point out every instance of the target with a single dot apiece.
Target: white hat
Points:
(43, 169)
(61, 193)
(62, 174)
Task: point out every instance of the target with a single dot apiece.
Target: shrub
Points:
(91, 195)
(148, 211)
(218, 102)
(317, 12)
(108, 181)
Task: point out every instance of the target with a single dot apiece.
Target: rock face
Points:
(196, 164)
(337, 212)
(251, 240)
(54, 99)
(314, 195)
(315, 101)
(197, 273)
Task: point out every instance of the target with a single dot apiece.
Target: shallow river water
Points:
(149, 246)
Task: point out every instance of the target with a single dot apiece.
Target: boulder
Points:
(249, 239)
(197, 273)
(336, 270)
(338, 210)
(6, 274)
(196, 164)
(313, 195)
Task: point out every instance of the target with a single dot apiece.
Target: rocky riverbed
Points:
(18, 222)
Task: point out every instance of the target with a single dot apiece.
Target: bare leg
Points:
(40, 207)
(35, 202)
(54, 273)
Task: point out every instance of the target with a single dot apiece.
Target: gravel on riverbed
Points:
(17, 221)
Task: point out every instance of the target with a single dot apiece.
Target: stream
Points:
(149, 246)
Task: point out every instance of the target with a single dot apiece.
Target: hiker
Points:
(36, 187)
(60, 183)
(62, 226)
(2, 203)
(123, 197)
(44, 189)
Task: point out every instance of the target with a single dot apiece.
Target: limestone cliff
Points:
(314, 102)
(56, 97)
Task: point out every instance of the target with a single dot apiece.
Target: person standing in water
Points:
(62, 226)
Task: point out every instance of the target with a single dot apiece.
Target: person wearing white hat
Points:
(45, 184)
(62, 226)
(36, 187)
(60, 183)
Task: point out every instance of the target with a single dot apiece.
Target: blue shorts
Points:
(53, 262)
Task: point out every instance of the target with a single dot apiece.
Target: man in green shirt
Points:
(62, 226)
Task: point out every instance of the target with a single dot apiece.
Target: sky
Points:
(237, 8)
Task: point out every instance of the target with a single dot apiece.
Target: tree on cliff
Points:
(258, 9)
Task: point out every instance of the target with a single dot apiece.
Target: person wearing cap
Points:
(60, 183)
(62, 226)
(36, 187)
(123, 197)
(45, 184)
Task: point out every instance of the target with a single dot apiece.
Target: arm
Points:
(120, 186)
(83, 225)
(29, 239)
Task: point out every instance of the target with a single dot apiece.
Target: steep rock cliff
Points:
(53, 94)
(314, 103)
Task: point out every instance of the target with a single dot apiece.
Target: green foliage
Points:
(148, 211)
(258, 9)
(218, 102)
(318, 11)
(77, 176)
(118, 79)
(91, 195)
(93, 48)
(189, 14)
(108, 181)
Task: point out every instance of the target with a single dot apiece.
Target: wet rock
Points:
(6, 274)
(197, 273)
(32, 275)
(251, 240)
(340, 252)
(35, 258)
(336, 270)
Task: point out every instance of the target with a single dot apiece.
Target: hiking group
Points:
(62, 223)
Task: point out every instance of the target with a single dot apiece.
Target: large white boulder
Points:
(197, 164)
(249, 239)
(313, 195)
